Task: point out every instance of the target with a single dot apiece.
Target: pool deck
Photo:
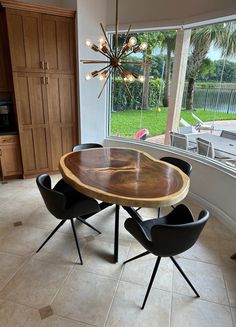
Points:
(218, 127)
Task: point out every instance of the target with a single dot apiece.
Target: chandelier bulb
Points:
(141, 78)
(132, 41)
(143, 46)
(88, 77)
(89, 43)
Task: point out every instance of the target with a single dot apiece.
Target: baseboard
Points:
(218, 213)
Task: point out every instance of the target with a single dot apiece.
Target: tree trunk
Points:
(167, 79)
(147, 70)
(189, 97)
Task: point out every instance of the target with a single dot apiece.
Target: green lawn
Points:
(127, 123)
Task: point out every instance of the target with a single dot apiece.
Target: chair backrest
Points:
(84, 146)
(205, 148)
(228, 135)
(185, 130)
(142, 134)
(54, 201)
(181, 164)
(179, 140)
(169, 239)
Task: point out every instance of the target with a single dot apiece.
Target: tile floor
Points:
(51, 289)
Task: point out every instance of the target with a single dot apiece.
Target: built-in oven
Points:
(7, 119)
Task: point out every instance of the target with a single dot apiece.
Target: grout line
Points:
(113, 298)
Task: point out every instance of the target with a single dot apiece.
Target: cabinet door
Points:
(10, 160)
(25, 40)
(4, 69)
(62, 115)
(58, 40)
(33, 122)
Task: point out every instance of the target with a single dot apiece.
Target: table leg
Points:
(133, 213)
(116, 238)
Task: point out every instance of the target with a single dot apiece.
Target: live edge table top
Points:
(124, 176)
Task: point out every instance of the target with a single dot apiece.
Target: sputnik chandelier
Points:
(116, 58)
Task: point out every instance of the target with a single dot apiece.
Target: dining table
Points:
(125, 177)
(220, 143)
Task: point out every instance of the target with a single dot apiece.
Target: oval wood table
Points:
(124, 177)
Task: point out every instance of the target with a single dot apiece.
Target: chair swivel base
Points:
(155, 271)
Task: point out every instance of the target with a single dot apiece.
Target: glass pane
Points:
(139, 108)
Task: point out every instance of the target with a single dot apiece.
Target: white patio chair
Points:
(180, 141)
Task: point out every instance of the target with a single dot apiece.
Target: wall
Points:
(211, 186)
(155, 13)
(92, 110)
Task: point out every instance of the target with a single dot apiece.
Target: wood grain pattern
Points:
(43, 9)
(124, 176)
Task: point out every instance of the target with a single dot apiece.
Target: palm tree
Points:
(221, 36)
(153, 39)
(168, 43)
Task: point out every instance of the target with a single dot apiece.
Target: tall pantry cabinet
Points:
(42, 50)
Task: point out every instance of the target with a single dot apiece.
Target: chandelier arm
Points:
(104, 32)
(127, 54)
(104, 68)
(138, 63)
(126, 36)
(117, 25)
(94, 61)
(127, 88)
(105, 83)
(103, 53)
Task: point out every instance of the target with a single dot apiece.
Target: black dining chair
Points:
(85, 146)
(181, 164)
(65, 203)
(166, 237)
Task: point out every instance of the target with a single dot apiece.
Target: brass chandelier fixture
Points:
(115, 58)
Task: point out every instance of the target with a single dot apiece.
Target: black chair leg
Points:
(86, 223)
(151, 281)
(52, 233)
(159, 212)
(76, 240)
(116, 240)
(137, 256)
(185, 277)
(138, 209)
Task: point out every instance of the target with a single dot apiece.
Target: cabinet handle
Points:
(41, 63)
(46, 65)
(46, 80)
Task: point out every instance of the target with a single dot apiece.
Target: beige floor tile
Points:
(10, 263)
(192, 312)
(85, 297)
(126, 308)
(233, 310)
(98, 257)
(23, 240)
(139, 271)
(56, 321)
(16, 315)
(61, 248)
(36, 283)
(227, 249)
(206, 278)
(205, 250)
(230, 281)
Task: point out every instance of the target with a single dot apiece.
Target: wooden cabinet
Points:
(4, 63)
(30, 93)
(42, 50)
(10, 155)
